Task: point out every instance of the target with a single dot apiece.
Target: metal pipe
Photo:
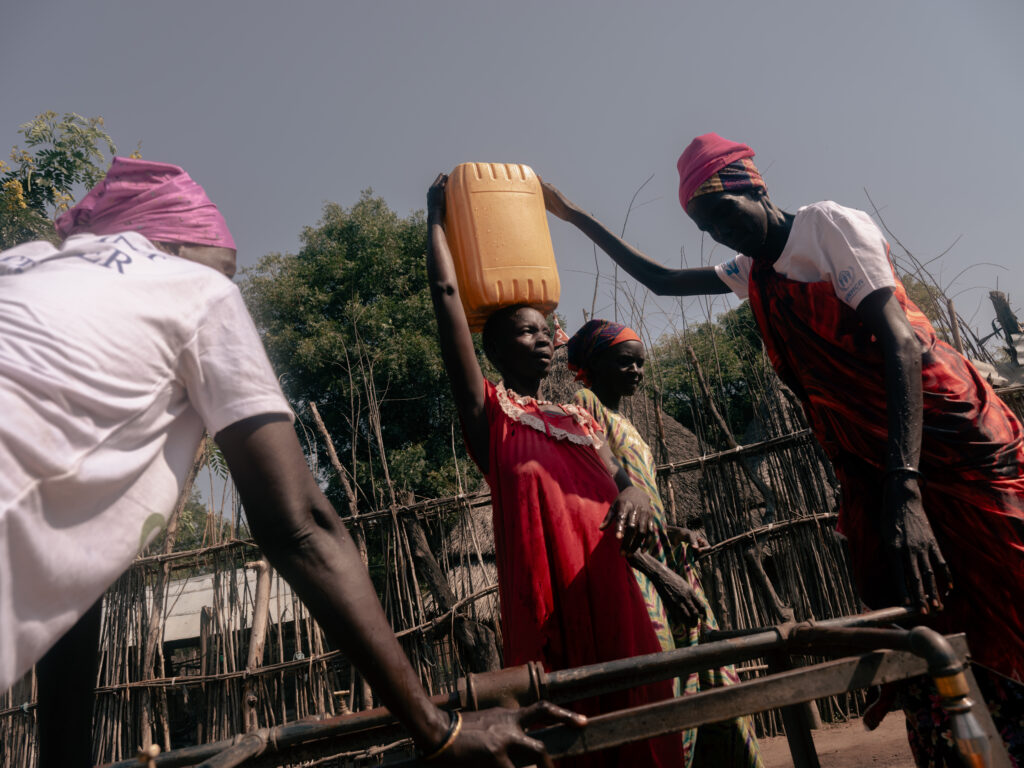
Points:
(529, 683)
(249, 745)
(508, 686)
(774, 691)
(948, 673)
(572, 684)
(944, 667)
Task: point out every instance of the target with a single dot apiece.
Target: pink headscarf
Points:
(157, 200)
(705, 156)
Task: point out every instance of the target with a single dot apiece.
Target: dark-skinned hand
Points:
(911, 547)
(679, 597)
(557, 203)
(435, 195)
(633, 518)
(497, 737)
(695, 540)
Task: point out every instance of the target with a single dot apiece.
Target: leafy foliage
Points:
(18, 222)
(215, 460)
(930, 300)
(68, 155)
(198, 527)
(350, 322)
(68, 152)
(730, 355)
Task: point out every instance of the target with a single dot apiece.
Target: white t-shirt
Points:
(827, 242)
(113, 356)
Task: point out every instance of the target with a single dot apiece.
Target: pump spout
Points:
(948, 674)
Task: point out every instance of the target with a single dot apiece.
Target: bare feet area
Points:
(849, 745)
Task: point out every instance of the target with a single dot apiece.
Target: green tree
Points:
(198, 527)
(930, 299)
(730, 355)
(67, 155)
(349, 324)
(18, 222)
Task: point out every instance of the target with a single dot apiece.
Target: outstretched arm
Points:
(662, 280)
(907, 534)
(304, 539)
(457, 349)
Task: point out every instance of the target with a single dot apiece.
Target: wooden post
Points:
(752, 554)
(205, 667)
(1007, 320)
(350, 495)
(954, 324)
(475, 639)
(673, 515)
(799, 720)
(257, 640)
(358, 687)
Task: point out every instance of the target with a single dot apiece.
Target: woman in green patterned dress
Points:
(609, 359)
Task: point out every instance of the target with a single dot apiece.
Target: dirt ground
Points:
(849, 745)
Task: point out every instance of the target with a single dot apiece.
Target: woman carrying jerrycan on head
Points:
(564, 511)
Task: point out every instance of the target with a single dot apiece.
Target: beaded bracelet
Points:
(453, 732)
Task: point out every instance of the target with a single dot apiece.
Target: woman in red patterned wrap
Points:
(930, 460)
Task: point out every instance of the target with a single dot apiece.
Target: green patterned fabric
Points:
(727, 744)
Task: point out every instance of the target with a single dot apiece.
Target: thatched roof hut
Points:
(468, 549)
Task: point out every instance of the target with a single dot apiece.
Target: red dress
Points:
(972, 456)
(568, 597)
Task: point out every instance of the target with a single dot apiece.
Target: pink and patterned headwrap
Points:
(592, 339)
(713, 164)
(157, 200)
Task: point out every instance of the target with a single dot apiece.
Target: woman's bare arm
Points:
(907, 534)
(305, 540)
(457, 349)
(662, 280)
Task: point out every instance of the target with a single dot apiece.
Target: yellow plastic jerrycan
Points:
(497, 229)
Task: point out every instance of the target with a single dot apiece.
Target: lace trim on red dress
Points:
(515, 407)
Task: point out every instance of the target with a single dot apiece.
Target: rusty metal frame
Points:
(783, 689)
(891, 655)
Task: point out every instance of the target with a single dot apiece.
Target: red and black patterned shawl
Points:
(971, 455)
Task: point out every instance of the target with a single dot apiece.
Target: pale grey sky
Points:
(278, 107)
